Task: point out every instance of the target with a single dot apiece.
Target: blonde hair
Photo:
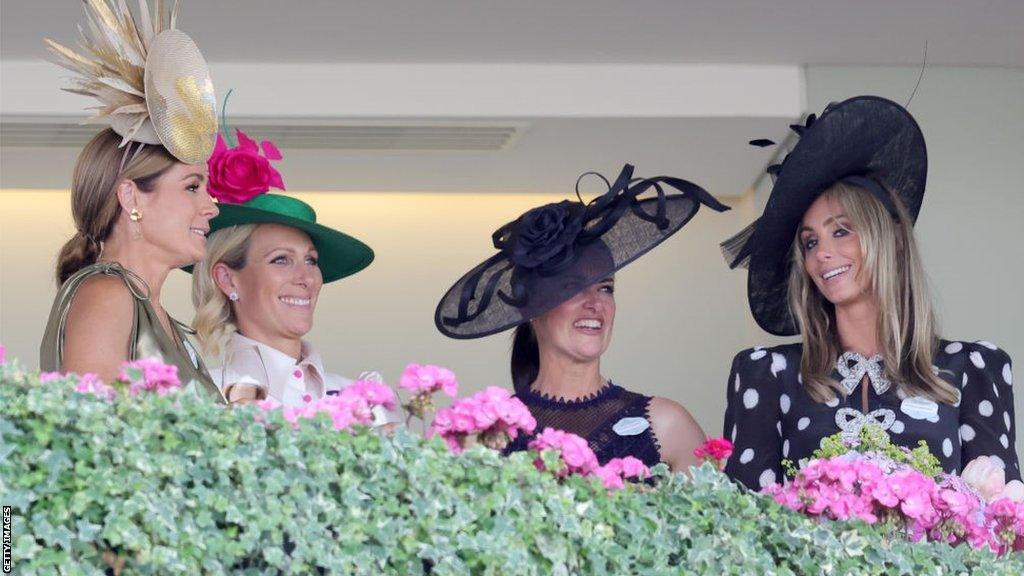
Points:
(215, 318)
(94, 204)
(906, 323)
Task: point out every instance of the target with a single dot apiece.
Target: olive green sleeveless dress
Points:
(148, 338)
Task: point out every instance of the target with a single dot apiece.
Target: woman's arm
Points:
(987, 426)
(752, 421)
(677, 433)
(98, 328)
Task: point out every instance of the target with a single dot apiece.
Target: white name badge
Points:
(631, 426)
(920, 408)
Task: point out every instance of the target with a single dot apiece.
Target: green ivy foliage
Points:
(175, 484)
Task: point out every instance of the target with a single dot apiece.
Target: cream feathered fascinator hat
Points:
(152, 82)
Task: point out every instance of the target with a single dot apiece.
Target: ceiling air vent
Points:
(296, 133)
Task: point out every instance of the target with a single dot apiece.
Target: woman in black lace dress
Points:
(553, 280)
(834, 259)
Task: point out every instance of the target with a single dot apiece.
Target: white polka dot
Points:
(947, 447)
(733, 433)
(953, 347)
(1007, 375)
(988, 345)
(977, 360)
(995, 390)
(778, 426)
(803, 423)
(897, 427)
(784, 403)
(767, 478)
(933, 418)
(1004, 441)
(966, 433)
(778, 363)
(750, 398)
(985, 408)
(736, 384)
(833, 402)
(757, 354)
(800, 378)
(1006, 420)
(964, 384)
(785, 448)
(999, 461)
(747, 456)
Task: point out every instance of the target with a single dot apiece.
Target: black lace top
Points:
(770, 416)
(614, 421)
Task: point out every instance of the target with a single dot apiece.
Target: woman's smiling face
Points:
(279, 285)
(832, 253)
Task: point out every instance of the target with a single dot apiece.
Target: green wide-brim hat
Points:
(339, 254)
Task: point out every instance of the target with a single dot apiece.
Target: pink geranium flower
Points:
(614, 473)
(149, 374)
(91, 384)
(715, 450)
(427, 379)
(492, 414)
(610, 479)
(575, 452)
(870, 486)
(353, 406)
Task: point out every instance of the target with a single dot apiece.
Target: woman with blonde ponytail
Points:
(138, 199)
(255, 292)
(833, 259)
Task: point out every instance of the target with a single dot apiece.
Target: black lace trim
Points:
(531, 396)
(650, 429)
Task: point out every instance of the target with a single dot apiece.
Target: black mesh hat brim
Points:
(862, 135)
(630, 238)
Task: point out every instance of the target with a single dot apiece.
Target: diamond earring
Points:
(233, 296)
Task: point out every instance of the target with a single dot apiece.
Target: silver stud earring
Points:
(233, 296)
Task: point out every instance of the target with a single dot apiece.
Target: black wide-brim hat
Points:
(338, 254)
(553, 252)
(867, 138)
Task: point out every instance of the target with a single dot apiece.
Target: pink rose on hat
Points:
(240, 173)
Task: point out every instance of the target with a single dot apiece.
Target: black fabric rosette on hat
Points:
(866, 141)
(552, 252)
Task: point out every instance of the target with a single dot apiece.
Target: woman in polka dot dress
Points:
(834, 259)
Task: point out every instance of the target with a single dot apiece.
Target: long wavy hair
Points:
(906, 322)
(215, 318)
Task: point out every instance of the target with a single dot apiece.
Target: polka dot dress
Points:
(770, 417)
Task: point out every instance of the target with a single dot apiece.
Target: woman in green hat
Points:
(256, 290)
